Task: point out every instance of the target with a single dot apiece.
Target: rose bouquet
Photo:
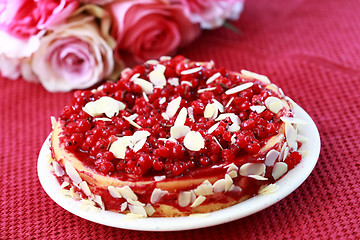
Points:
(74, 44)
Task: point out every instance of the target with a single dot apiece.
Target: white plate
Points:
(287, 184)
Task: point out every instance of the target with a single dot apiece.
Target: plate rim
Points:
(287, 184)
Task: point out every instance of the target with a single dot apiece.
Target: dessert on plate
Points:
(174, 137)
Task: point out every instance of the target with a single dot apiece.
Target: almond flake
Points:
(217, 141)
(233, 127)
(135, 203)
(146, 86)
(179, 131)
(199, 200)
(239, 88)
(124, 206)
(139, 135)
(181, 118)
(218, 105)
(219, 185)
(206, 89)
(58, 169)
(85, 188)
(159, 178)
(103, 119)
(162, 100)
(258, 109)
(194, 141)
(98, 200)
(252, 169)
(193, 196)
(286, 152)
(301, 138)
(119, 147)
(191, 71)
(165, 116)
(145, 97)
(186, 83)
(233, 174)
(105, 105)
(231, 167)
(132, 122)
(139, 145)
(152, 62)
(280, 168)
(149, 209)
(139, 210)
(293, 120)
(114, 192)
(127, 193)
(258, 177)
(72, 173)
(64, 184)
(228, 182)
(274, 104)
(135, 76)
(257, 76)
(174, 82)
(213, 78)
(204, 189)
(157, 194)
(291, 135)
(271, 156)
(235, 189)
(165, 58)
(210, 111)
(269, 189)
(184, 198)
(157, 77)
(161, 68)
(229, 102)
(173, 106)
(213, 128)
(191, 113)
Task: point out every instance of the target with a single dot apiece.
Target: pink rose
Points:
(211, 13)
(25, 18)
(148, 29)
(73, 56)
(98, 2)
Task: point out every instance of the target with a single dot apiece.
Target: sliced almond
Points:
(99, 201)
(123, 206)
(181, 118)
(114, 192)
(274, 104)
(204, 189)
(149, 209)
(132, 122)
(258, 177)
(72, 173)
(173, 106)
(157, 77)
(239, 88)
(105, 105)
(199, 200)
(233, 174)
(174, 82)
(218, 105)
(179, 131)
(280, 168)
(135, 203)
(138, 210)
(293, 120)
(235, 189)
(271, 157)
(291, 135)
(58, 169)
(139, 145)
(119, 147)
(213, 128)
(159, 178)
(191, 71)
(219, 185)
(258, 108)
(85, 188)
(269, 189)
(146, 86)
(127, 193)
(210, 111)
(252, 169)
(213, 78)
(257, 76)
(184, 198)
(194, 141)
(228, 182)
(157, 194)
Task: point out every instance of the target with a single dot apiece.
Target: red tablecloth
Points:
(309, 48)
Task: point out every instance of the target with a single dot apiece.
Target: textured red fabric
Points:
(309, 48)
